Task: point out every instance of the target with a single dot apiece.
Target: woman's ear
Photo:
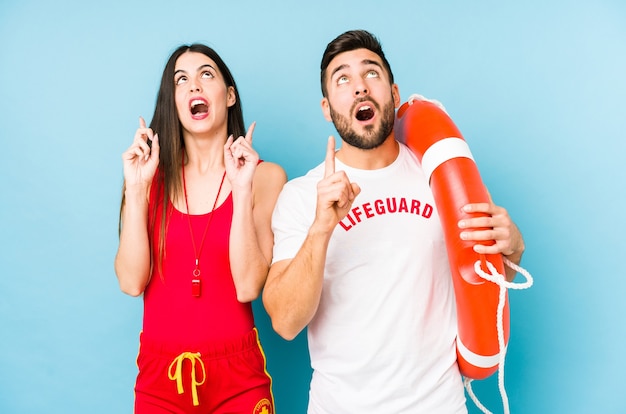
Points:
(231, 98)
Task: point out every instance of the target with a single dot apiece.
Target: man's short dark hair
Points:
(352, 40)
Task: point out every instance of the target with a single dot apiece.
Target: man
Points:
(360, 257)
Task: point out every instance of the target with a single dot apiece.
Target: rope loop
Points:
(501, 281)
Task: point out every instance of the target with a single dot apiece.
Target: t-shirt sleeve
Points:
(291, 219)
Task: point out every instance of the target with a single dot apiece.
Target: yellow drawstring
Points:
(178, 375)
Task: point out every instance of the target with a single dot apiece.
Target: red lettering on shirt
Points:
(391, 205)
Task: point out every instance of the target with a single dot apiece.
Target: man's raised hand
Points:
(335, 192)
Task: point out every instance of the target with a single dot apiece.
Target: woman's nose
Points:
(194, 86)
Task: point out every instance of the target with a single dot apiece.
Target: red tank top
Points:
(171, 312)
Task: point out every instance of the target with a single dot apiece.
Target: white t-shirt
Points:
(383, 338)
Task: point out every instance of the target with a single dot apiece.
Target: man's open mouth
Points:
(365, 113)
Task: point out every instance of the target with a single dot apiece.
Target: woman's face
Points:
(201, 95)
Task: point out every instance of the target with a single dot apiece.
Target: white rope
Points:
(499, 280)
(419, 97)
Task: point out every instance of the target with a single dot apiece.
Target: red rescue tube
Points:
(455, 181)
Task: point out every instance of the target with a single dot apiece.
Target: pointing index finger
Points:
(142, 122)
(329, 162)
(249, 132)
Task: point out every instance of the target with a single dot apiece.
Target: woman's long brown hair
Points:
(165, 122)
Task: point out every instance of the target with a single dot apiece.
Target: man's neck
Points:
(369, 159)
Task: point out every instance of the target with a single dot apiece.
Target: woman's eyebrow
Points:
(206, 66)
(199, 69)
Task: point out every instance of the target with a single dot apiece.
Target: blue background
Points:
(537, 88)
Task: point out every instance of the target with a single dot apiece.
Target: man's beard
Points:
(371, 138)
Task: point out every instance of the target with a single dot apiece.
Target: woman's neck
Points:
(203, 154)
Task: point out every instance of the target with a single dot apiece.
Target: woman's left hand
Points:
(241, 159)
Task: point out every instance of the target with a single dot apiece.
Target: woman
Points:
(195, 239)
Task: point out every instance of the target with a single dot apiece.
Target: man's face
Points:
(361, 100)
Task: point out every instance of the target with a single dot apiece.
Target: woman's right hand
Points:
(140, 161)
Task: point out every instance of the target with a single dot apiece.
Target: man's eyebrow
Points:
(371, 62)
(338, 68)
(364, 62)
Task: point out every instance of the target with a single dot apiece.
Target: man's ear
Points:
(395, 93)
(230, 97)
(326, 109)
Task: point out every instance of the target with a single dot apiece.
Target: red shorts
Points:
(229, 377)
